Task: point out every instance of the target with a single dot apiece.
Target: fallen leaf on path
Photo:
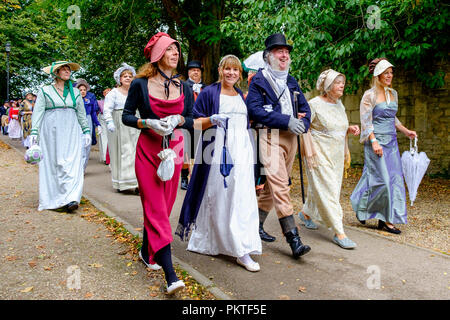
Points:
(48, 268)
(284, 297)
(96, 265)
(28, 289)
(88, 295)
(32, 264)
(12, 258)
(302, 289)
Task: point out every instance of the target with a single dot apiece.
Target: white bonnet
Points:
(326, 78)
(381, 67)
(119, 71)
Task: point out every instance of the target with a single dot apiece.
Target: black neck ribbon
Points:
(168, 81)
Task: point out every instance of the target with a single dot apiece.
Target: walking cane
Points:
(296, 93)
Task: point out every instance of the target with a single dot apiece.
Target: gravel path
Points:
(428, 220)
(52, 255)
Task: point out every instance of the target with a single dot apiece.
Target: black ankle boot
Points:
(264, 235)
(297, 247)
(290, 231)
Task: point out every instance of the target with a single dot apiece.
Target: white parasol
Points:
(414, 166)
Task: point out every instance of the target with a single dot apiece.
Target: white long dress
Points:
(121, 143)
(59, 125)
(102, 138)
(228, 221)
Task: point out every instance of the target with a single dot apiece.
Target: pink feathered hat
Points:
(156, 47)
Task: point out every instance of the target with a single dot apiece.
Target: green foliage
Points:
(111, 32)
(34, 35)
(346, 35)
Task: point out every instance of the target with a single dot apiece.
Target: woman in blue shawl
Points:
(221, 199)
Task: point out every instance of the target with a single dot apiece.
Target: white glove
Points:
(219, 120)
(110, 125)
(34, 139)
(99, 130)
(87, 139)
(172, 121)
(160, 127)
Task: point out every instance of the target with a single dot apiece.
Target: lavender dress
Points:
(380, 193)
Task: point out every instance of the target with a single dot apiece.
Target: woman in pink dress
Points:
(165, 104)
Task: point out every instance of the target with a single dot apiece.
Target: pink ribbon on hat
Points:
(157, 45)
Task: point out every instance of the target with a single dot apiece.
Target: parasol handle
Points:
(415, 149)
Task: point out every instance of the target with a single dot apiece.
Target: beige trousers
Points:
(277, 154)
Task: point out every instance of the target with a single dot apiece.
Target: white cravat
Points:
(387, 95)
(196, 87)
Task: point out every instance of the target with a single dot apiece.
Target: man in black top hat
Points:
(270, 102)
(194, 69)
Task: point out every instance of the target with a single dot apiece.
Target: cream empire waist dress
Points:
(60, 126)
(121, 143)
(329, 125)
(228, 220)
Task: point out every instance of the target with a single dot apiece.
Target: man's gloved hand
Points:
(160, 127)
(219, 120)
(87, 139)
(172, 121)
(110, 125)
(296, 126)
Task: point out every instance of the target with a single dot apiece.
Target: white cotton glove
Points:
(99, 130)
(219, 120)
(160, 127)
(296, 126)
(110, 125)
(87, 139)
(172, 121)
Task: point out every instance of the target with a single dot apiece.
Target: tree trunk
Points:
(208, 54)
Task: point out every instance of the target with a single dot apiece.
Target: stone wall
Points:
(427, 111)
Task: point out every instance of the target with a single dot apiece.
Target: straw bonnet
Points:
(51, 69)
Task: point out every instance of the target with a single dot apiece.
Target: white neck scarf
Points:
(387, 95)
(196, 87)
(279, 77)
(278, 81)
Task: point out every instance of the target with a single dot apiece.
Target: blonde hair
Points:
(375, 82)
(230, 61)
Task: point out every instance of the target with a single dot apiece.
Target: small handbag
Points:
(167, 166)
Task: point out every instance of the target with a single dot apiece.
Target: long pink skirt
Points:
(157, 196)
